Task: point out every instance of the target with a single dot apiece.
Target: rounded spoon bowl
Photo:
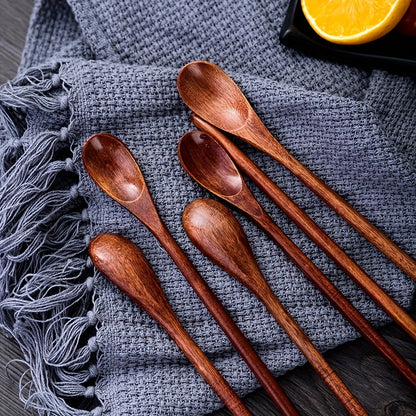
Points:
(113, 167)
(205, 86)
(227, 179)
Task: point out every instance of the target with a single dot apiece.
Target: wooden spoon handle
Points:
(311, 229)
(337, 299)
(301, 340)
(207, 370)
(122, 262)
(229, 327)
(342, 208)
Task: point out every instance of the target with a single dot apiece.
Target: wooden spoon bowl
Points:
(120, 175)
(215, 93)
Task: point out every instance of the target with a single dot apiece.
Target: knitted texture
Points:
(103, 66)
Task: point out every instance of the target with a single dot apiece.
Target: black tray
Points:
(394, 51)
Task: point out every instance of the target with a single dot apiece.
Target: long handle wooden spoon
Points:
(210, 165)
(112, 166)
(217, 233)
(122, 262)
(312, 230)
(208, 91)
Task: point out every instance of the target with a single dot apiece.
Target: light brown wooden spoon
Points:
(122, 262)
(208, 91)
(112, 166)
(211, 166)
(217, 233)
(311, 229)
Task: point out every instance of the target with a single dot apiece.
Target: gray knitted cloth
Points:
(104, 66)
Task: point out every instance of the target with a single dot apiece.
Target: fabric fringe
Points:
(46, 278)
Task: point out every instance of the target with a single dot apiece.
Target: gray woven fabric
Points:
(112, 66)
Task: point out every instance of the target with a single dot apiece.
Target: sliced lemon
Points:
(352, 22)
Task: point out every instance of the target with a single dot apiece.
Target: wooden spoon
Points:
(124, 264)
(311, 229)
(112, 166)
(208, 91)
(211, 166)
(216, 232)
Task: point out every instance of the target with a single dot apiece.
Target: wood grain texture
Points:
(311, 229)
(213, 95)
(379, 388)
(372, 380)
(10, 373)
(14, 21)
(217, 233)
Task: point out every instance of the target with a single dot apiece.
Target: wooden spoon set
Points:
(210, 158)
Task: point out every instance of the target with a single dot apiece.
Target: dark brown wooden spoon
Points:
(122, 262)
(112, 166)
(217, 233)
(311, 229)
(208, 91)
(211, 166)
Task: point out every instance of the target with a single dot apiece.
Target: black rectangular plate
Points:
(394, 51)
